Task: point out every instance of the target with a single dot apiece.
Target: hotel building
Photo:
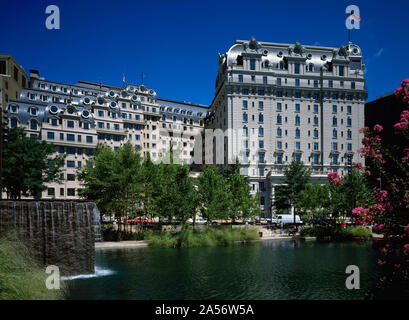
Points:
(76, 118)
(277, 102)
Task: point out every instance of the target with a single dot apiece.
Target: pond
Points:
(264, 270)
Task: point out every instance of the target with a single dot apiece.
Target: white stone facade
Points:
(278, 102)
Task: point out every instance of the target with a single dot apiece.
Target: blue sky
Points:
(175, 43)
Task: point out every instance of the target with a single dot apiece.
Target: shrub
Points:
(211, 236)
(336, 233)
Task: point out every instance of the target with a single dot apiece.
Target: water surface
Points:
(262, 270)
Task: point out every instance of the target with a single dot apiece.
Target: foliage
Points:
(296, 178)
(214, 194)
(348, 192)
(226, 195)
(387, 165)
(210, 236)
(338, 233)
(21, 278)
(314, 200)
(111, 180)
(28, 164)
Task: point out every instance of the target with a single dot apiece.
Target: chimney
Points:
(34, 74)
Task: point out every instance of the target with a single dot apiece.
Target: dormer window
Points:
(239, 60)
(14, 108)
(70, 111)
(33, 111)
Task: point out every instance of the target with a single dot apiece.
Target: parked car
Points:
(198, 221)
(286, 219)
(139, 220)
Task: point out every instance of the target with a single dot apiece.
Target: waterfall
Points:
(58, 231)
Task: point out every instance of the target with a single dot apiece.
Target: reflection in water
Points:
(263, 270)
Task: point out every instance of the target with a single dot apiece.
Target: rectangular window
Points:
(70, 177)
(70, 164)
(70, 192)
(352, 85)
(279, 81)
(70, 137)
(245, 91)
(51, 192)
(334, 109)
(244, 104)
(341, 71)
(297, 82)
(297, 107)
(89, 139)
(240, 78)
(261, 92)
(70, 124)
(265, 80)
(297, 68)
(86, 126)
(50, 135)
(61, 191)
(252, 64)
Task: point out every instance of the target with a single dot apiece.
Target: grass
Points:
(337, 233)
(211, 236)
(21, 277)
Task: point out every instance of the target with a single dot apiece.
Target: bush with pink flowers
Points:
(387, 165)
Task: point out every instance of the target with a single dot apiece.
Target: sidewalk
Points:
(120, 244)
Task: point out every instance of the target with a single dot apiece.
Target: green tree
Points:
(112, 180)
(314, 200)
(214, 194)
(296, 177)
(351, 192)
(28, 164)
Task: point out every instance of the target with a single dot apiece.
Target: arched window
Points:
(281, 65)
(266, 64)
(279, 119)
(311, 67)
(334, 121)
(279, 132)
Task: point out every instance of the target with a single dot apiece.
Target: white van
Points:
(286, 219)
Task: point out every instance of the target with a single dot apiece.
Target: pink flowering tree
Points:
(387, 167)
